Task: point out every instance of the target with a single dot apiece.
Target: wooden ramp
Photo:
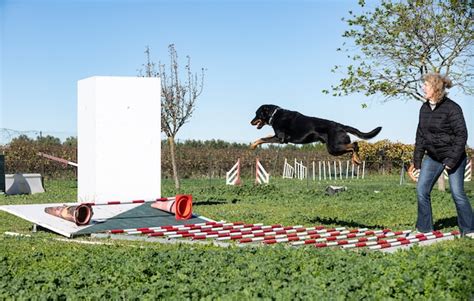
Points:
(105, 218)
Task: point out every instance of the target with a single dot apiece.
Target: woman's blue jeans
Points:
(429, 174)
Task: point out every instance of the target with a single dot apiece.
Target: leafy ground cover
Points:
(42, 267)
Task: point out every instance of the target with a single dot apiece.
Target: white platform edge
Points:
(35, 213)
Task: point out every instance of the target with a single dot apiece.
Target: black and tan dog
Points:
(294, 127)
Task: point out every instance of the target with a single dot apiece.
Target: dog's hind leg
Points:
(355, 154)
(346, 148)
(342, 146)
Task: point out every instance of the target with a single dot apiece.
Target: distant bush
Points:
(204, 159)
(21, 156)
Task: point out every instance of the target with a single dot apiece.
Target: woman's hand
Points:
(413, 173)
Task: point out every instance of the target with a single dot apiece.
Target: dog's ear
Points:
(266, 110)
(261, 111)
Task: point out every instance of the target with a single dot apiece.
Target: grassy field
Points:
(41, 267)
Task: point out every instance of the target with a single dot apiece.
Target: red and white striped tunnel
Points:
(80, 214)
(181, 206)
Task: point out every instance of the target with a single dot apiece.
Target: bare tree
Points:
(150, 70)
(178, 97)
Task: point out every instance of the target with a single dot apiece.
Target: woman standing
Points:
(441, 139)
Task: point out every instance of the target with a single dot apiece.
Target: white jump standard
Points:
(232, 177)
(261, 175)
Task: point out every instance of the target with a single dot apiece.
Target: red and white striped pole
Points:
(388, 242)
(359, 242)
(412, 239)
(175, 228)
(128, 202)
(221, 231)
(217, 232)
(214, 231)
(145, 230)
(256, 231)
(63, 161)
(329, 236)
(264, 231)
(298, 235)
(312, 239)
(196, 231)
(281, 236)
(181, 205)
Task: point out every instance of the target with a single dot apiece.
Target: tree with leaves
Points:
(178, 97)
(400, 41)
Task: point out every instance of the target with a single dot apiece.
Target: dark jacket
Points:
(441, 133)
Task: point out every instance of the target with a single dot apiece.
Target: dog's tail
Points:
(362, 135)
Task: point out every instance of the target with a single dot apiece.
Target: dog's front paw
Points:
(253, 146)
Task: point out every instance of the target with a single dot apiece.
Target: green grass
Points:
(40, 267)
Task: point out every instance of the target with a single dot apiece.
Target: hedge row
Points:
(197, 159)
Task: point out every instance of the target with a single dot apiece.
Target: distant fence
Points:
(197, 162)
(324, 170)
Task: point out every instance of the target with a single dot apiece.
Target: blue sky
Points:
(254, 52)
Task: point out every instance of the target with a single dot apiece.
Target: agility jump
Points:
(327, 170)
(414, 173)
(233, 176)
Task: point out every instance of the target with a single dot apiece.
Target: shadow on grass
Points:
(209, 203)
(447, 222)
(350, 224)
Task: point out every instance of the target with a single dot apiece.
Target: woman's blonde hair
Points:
(439, 83)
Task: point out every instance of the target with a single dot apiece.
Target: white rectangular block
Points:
(119, 138)
(23, 183)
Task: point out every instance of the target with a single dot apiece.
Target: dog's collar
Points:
(271, 117)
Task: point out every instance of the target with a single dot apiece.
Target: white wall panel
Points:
(119, 144)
